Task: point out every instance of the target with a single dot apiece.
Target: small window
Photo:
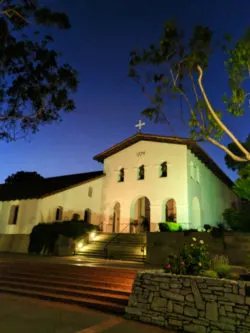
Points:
(141, 172)
(13, 214)
(164, 170)
(59, 213)
(90, 192)
(198, 174)
(121, 175)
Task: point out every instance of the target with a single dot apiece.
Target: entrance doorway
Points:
(116, 217)
(141, 221)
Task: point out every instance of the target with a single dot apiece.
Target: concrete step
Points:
(86, 302)
(84, 277)
(64, 291)
(71, 270)
(104, 287)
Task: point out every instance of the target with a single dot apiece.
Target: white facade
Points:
(199, 194)
(72, 200)
(158, 190)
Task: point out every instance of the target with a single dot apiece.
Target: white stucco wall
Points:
(213, 195)
(73, 200)
(26, 219)
(157, 190)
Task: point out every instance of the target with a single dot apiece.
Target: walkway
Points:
(19, 314)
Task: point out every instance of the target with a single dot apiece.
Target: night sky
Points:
(108, 103)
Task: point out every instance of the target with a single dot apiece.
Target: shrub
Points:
(169, 226)
(188, 232)
(238, 220)
(219, 260)
(193, 259)
(207, 227)
(210, 273)
(223, 270)
(44, 235)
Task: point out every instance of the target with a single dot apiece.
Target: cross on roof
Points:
(139, 125)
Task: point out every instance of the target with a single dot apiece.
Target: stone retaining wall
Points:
(190, 304)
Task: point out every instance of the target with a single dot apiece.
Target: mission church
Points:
(152, 177)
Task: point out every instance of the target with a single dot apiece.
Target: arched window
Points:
(164, 169)
(13, 214)
(90, 191)
(171, 210)
(121, 175)
(141, 172)
(87, 215)
(59, 213)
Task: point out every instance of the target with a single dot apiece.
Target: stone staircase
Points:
(105, 289)
(116, 246)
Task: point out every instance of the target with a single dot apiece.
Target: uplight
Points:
(93, 235)
(80, 245)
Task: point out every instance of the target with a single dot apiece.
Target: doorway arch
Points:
(196, 214)
(141, 214)
(116, 217)
(170, 210)
(87, 216)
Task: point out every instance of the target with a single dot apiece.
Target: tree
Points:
(24, 177)
(242, 184)
(175, 69)
(35, 86)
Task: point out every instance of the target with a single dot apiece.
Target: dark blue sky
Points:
(108, 103)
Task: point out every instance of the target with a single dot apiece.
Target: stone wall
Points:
(190, 304)
(235, 245)
(161, 244)
(15, 243)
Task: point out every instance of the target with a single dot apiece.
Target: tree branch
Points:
(220, 123)
(232, 155)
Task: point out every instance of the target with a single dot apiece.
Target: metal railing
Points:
(105, 250)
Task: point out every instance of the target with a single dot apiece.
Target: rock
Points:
(194, 328)
(239, 299)
(133, 311)
(178, 309)
(222, 311)
(226, 327)
(197, 296)
(190, 312)
(170, 306)
(159, 304)
(212, 311)
(172, 296)
(190, 298)
(174, 322)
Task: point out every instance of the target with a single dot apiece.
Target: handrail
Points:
(111, 240)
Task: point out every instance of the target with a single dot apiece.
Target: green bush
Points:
(223, 270)
(210, 273)
(169, 226)
(219, 260)
(193, 259)
(238, 220)
(44, 235)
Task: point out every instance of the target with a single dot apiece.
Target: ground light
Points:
(80, 245)
(93, 235)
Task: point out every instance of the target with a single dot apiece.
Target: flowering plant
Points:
(193, 259)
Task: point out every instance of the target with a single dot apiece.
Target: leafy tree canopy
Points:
(23, 177)
(35, 86)
(174, 69)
